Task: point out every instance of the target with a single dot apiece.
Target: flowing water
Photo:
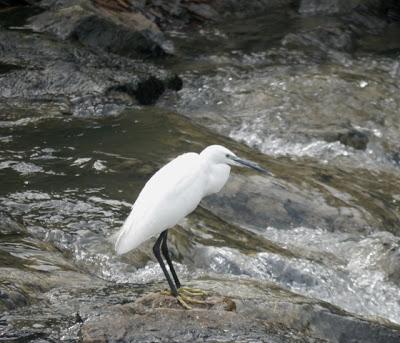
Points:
(326, 225)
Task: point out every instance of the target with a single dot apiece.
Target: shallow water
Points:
(325, 225)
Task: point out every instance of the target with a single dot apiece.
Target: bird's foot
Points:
(195, 292)
(182, 301)
(185, 295)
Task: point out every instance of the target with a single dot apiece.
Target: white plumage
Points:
(171, 194)
(175, 191)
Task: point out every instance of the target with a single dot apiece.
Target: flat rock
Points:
(263, 314)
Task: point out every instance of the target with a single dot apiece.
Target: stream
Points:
(325, 225)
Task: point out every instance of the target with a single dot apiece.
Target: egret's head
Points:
(219, 154)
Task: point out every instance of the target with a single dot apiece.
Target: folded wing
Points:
(170, 194)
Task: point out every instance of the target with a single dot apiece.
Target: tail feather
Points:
(130, 236)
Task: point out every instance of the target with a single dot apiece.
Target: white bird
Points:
(170, 195)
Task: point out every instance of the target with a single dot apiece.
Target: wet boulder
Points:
(354, 138)
(322, 41)
(148, 91)
(263, 312)
(11, 297)
(388, 259)
(119, 30)
(202, 10)
(370, 16)
(80, 81)
(10, 226)
(318, 7)
(260, 202)
(367, 18)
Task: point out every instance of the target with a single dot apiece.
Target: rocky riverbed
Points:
(95, 96)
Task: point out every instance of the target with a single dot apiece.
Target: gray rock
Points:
(354, 138)
(318, 7)
(365, 19)
(329, 41)
(238, 8)
(263, 313)
(126, 33)
(9, 226)
(260, 202)
(203, 11)
(80, 79)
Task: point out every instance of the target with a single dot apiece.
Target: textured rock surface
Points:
(315, 7)
(266, 314)
(80, 79)
(259, 202)
(123, 32)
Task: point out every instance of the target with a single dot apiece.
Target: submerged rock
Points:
(354, 138)
(148, 91)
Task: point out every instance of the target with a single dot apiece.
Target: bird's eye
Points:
(227, 155)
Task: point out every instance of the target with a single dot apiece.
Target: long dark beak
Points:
(252, 165)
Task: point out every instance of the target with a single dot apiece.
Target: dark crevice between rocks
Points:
(13, 3)
(148, 91)
(354, 138)
(16, 13)
(6, 67)
(351, 137)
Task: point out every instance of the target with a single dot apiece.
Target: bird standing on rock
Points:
(170, 195)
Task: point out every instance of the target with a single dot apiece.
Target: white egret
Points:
(171, 194)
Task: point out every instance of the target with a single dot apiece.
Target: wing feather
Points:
(170, 194)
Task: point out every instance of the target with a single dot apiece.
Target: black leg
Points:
(164, 249)
(157, 253)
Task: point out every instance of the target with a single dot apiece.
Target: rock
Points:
(148, 91)
(238, 8)
(366, 20)
(370, 16)
(121, 31)
(323, 41)
(23, 286)
(83, 82)
(264, 313)
(373, 16)
(7, 3)
(326, 7)
(203, 11)
(8, 226)
(175, 83)
(388, 258)
(155, 318)
(355, 139)
(260, 202)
